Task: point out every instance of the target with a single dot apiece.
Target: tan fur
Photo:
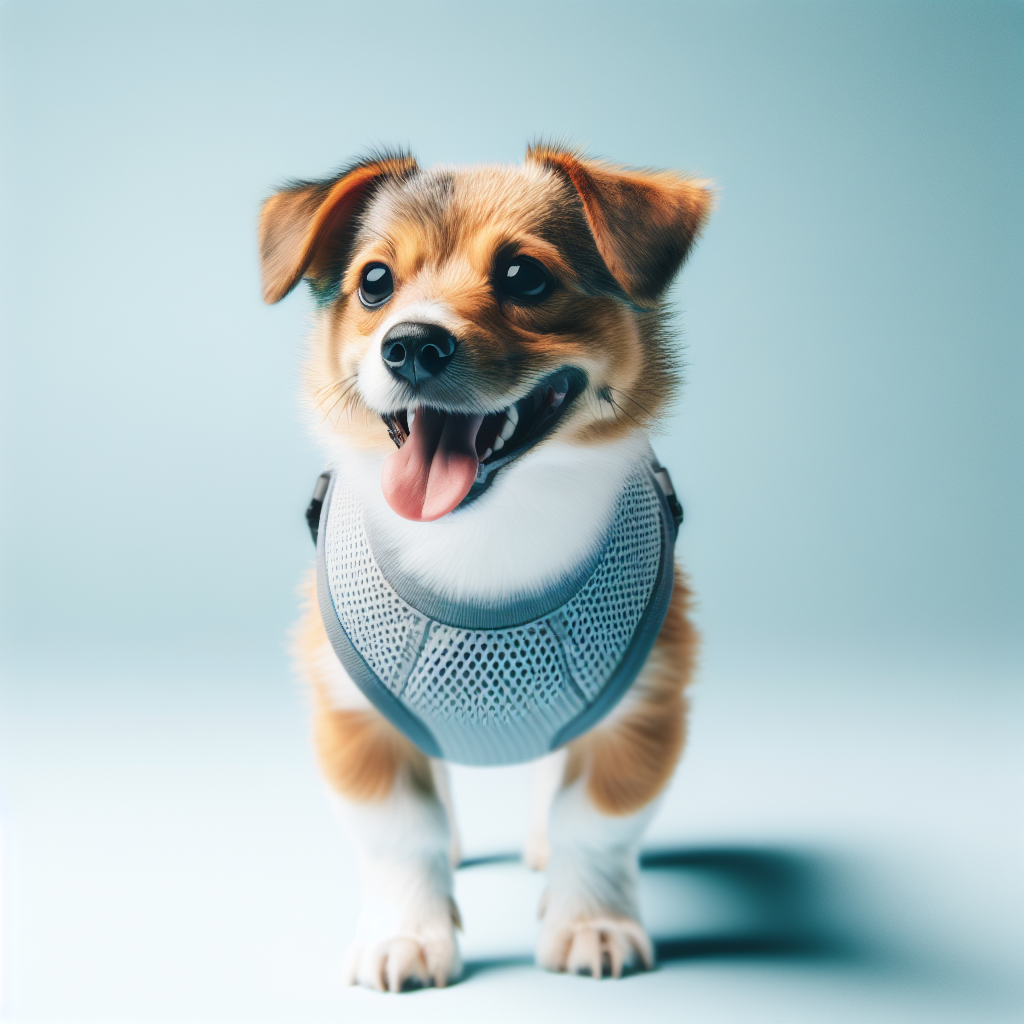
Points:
(440, 239)
(360, 752)
(299, 225)
(601, 230)
(629, 761)
(633, 215)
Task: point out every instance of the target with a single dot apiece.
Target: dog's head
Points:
(465, 314)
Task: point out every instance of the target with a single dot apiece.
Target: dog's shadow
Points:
(772, 903)
(733, 902)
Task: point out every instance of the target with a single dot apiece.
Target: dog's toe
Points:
(599, 947)
(406, 966)
(404, 962)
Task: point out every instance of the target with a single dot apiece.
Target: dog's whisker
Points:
(328, 389)
(630, 398)
(341, 398)
(624, 413)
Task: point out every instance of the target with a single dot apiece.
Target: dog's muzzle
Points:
(501, 683)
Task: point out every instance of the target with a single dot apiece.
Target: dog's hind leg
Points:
(443, 788)
(389, 801)
(613, 777)
(548, 774)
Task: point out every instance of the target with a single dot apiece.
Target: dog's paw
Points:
(428, 955)
(596, 946)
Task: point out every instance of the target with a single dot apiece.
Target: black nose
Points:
(417, 352)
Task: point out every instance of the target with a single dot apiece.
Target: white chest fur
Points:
(540, 518)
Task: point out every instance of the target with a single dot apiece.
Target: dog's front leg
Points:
(391, 799)
(406, 930)
(590, 914)
(613, 777)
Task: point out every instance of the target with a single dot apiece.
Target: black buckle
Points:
(316, 504)
(664, 481)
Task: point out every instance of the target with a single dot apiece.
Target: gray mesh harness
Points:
(504, 683)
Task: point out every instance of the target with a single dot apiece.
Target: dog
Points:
(490, 352)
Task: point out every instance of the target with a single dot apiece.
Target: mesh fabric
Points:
(502, 695)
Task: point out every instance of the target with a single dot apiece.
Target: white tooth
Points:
(486, 455)
(508, 428)
(411, 417)
(513, 415)
(499, 443)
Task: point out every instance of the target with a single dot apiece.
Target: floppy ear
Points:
(300, 225)
(643, 221)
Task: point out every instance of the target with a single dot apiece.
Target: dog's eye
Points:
(376, 285)
(524, 280)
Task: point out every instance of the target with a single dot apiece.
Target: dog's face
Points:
(467, 314)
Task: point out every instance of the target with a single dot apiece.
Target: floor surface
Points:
(835, 847)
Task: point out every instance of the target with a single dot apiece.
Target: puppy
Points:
(489, 355)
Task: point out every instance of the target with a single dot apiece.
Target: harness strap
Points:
(661, 476)
(458, 690)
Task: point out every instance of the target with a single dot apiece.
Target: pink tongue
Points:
(435, 468)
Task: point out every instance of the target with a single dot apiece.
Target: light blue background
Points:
(848, 450)
(849, 443)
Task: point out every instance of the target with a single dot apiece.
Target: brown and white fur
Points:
(612, 239)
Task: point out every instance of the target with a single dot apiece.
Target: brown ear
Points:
(301, 221)
(643, 221)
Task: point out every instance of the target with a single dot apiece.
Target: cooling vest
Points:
(504, 682)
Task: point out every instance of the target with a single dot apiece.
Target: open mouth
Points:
(445, 458)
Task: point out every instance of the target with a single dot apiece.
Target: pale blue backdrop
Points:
(848, 447)
(849, 442)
